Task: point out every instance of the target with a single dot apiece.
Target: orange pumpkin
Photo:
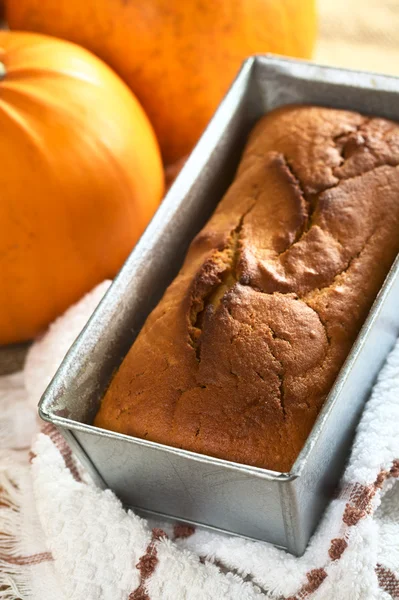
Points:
(178, 56)
(80, 178)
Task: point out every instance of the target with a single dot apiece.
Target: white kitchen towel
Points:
(63, 538)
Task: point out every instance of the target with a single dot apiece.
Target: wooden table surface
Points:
(12, 358)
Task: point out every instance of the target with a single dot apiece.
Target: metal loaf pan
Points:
(282, 508)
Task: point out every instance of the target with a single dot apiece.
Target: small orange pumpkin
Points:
(80, 178)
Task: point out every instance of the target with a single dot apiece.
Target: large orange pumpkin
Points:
(80, 177)
(178, 56)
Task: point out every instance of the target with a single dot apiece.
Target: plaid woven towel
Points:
(61, 537)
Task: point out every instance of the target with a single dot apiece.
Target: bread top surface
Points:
(238, 357)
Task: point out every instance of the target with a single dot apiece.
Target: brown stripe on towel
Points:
(63, 448)
(337, 547)
(315, 579)
(147, 565)
(387, 580)
(33, 559)
(360, 501)
(182, 530)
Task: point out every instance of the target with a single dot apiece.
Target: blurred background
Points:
(356, 34)
(359, 35)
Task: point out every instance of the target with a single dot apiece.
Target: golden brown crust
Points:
(238, 357)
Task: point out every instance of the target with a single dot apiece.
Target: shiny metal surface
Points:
(280, 508)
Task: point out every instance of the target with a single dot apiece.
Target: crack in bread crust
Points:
(224, 280)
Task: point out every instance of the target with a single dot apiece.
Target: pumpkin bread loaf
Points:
(241, 352)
